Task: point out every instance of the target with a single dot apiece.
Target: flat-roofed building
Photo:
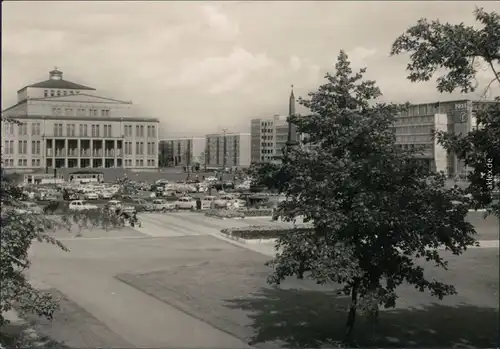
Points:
(61, 124)
(227, 149)
(182, 151)
(414, 127)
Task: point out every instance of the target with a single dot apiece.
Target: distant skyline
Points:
(203, 66)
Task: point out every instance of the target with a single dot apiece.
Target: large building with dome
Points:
(62, 124)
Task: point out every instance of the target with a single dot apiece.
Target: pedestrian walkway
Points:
(191, 223)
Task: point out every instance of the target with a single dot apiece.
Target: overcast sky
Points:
(203, 66)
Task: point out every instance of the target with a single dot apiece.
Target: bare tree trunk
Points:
(352, 312)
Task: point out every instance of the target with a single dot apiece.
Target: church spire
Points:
(291, 103)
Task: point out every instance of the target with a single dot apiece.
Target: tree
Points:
(268, 175)
(458, 49)
(18, 231)
(374, 210)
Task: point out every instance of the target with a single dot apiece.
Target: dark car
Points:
(140, 205)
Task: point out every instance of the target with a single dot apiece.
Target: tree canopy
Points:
(375, 210)
(457, 49)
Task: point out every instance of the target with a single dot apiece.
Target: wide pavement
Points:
(136, 287)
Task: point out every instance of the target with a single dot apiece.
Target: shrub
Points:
(225, 214)
(256, 212)
(255, 232)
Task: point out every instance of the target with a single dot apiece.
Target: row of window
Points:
(414, 120)
(37, 163)
(414, 146)
(414, 130)
(139, 163)
(22, 147)
(139, 148)
(53, 93)
(414, 138)
(71, 130)
(22, 163)
(22, 129)
(139, 131)
(58, 111)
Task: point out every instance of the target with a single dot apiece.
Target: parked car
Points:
(142, 205)
(207, 202)
(223, 201)
(106, 195)
(211, 178)
(113, 205)
(185, 202)
(90, 196)
(80, 205)
(163, 205)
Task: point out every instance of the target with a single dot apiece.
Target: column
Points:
(66, 153)
(79, 151)
(53, 152)
(115, 147)
(103, 144)
(91, 142)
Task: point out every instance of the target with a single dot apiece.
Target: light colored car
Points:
(106, 195)
(114, 204)
(207, 202)
(90, 196)
(223, 201)
(211, 178)
(162, 205)
(80, 205)
(186, 202)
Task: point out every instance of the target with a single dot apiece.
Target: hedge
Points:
(255, 232)
(225, 214)
(256, 212)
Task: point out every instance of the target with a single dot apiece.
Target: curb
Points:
(250, 241)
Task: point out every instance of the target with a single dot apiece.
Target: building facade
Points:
(182, 151)
(227, 150)
(269, 136)
(413, 128)
(61, 124)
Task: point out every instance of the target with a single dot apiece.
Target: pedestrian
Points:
(198, 203)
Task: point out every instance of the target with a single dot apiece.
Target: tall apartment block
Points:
(269, 135)
(182, 151)
(414, 128)
(229, 149)
(62, 124)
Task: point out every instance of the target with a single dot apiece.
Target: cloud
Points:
(221, 73)
(359, 56)
(220, 22)
(295, 63)
(236, 59)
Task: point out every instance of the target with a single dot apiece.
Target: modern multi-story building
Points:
(269, 136)
(413, 128)
(61, 124)
(182, 151)
(227, 149)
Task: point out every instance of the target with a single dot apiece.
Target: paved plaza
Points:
(176, 282)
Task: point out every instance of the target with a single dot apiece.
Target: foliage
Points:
(257, 212)
(225, 214)
(374, 210)
(253, 232)
(18, 231)
(268, 175)
(455, 47)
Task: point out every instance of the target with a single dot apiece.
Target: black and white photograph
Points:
(250, 174)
